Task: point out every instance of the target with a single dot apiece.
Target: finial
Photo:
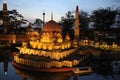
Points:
(51, 15)
(43, 12)
(77, 8)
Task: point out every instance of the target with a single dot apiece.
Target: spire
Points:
(77, 10)
(76, 28)
(52, 16)
(43, 16)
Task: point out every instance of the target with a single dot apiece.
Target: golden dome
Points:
(51, 26)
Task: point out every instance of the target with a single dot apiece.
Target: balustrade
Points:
(43, 64)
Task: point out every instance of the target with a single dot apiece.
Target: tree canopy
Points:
(84, 20)
(38, 23)
(14, 18)
(103, 18)
(67, 22)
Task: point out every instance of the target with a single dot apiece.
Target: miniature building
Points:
(49, 45)
(49, 52)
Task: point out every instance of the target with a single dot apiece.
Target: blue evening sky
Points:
(32, 9)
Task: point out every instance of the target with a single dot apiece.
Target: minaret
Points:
(5, 17)
(76, 28)
(43, 16)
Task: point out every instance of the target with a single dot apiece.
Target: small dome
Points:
(51, 26)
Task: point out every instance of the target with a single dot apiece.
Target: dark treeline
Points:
(14, 20)
(102, 20)
(105, 23)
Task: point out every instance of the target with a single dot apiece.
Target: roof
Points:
(51, 26)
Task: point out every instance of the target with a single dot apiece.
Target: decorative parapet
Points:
(50, 54)
(51, 64)
(50, 45)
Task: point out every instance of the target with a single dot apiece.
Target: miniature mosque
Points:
(47, 51)
(51, 38)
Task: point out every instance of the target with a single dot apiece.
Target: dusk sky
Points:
(32, 9)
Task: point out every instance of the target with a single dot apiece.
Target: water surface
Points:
(102, 71)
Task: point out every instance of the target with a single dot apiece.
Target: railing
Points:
(52, 55)
(43, 64)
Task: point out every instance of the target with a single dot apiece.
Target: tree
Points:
(15, 19)
(117, 18)
(67, 23)
(84, 20)
(103, 18)
(38, 23)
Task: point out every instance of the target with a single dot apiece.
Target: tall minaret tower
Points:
(5, 17)
(43, 16)
(76, 29)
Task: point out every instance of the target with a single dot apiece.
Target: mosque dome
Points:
(51, 26)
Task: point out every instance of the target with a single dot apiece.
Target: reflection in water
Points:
(103, 70)
(42, 75)
(75, 77)
(5, 62)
